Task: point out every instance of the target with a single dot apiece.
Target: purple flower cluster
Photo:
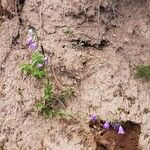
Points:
(116, 126)
(108, 124)
(32, 40)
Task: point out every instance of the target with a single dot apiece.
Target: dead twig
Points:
(41, 14)
(57, 82)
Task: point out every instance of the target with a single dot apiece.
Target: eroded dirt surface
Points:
(91, 48)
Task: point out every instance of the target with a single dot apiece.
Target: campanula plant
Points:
(37, 67)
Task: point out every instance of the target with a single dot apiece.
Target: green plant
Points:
(36, 67)
(49, 107)
(48, 92)
(143, 72)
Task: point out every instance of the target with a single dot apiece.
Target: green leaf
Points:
(37, 58)
(26, 68)
(47, 112)
(48, 92)
(40, 106)
(38, 73)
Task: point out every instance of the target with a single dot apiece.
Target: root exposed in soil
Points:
(111, 140)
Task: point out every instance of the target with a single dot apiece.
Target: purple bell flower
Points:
(116, 126)
(30, 41)
(93, 117)
(106, 125)
(121, 130)
(46, 60)
(33, 46)
(39, 66)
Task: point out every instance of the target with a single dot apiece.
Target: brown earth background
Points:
(115, 38)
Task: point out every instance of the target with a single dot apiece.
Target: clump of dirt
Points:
(111, 140)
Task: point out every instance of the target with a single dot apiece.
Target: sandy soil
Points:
(101, 71)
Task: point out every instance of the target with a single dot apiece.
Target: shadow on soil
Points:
(111, 140)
